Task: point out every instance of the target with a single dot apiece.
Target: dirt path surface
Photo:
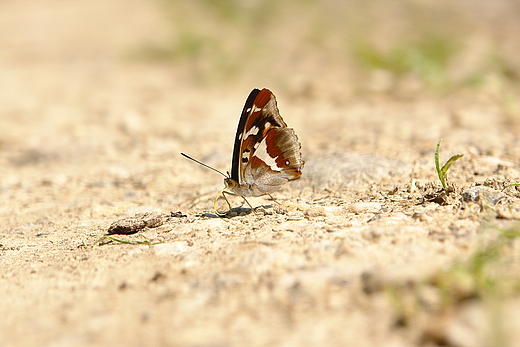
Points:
(365, 249)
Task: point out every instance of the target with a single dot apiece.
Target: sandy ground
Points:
(361, 250)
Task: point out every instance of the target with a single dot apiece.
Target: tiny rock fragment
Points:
(315, 212)
(294, 216)
(177, 214)
(138, 222)
(360, 207)
(508, 213)
(482, 193)
(421, 216)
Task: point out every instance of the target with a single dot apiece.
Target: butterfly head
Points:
(230, 183)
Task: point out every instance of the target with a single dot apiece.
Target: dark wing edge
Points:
(240, 129)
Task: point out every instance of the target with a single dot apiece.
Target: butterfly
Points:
(266, 153)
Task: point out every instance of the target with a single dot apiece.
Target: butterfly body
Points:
(266, 153)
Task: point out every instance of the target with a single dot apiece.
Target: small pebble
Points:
(360, 207)
(482, 193)
(315, 212)
(138, 222)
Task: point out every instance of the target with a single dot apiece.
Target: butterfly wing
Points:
(246, 112)
(266, 153)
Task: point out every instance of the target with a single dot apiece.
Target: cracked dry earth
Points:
(359, 251)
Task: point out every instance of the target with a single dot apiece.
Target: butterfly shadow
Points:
(238, 212)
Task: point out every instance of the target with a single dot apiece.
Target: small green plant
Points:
(443, 172)
(489, 273)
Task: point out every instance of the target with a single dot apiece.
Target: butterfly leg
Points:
(215, 201)
(272, 198)
(247, 202)
(223, 192)
(243, 197)
(224, 196)
(250, 206)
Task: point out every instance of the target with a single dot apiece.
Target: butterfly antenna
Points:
(198, 162)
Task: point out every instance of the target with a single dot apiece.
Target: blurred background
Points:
(322, 47)
(306, 48)
(75, 71)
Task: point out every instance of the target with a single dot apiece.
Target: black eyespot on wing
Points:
(245, 160)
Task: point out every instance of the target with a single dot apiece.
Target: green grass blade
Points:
(511, 185)
(438, 166)
(446, 167)
(125, 241)
(443, 172)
